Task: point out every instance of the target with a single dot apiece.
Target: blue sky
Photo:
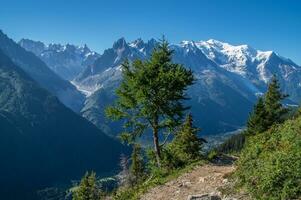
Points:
(263, 24)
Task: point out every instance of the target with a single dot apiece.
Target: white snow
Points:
(87, 91)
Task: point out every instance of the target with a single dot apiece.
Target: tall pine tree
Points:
(257, 122)
(187, 146)
(151, 96)
(268, 110)
(273, 105)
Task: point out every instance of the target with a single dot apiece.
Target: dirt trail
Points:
(203, 179)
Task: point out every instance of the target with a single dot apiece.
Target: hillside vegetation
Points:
(270, 165)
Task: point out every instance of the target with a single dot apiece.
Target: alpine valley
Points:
(53, 98)
(43, 143)
(229, 77)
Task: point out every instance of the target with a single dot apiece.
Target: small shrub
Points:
(212, 155)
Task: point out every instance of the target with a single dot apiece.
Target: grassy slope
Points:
(270, 164)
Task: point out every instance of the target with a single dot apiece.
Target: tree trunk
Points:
(156, 142)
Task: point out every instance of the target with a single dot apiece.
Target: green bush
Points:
(212, 155)
(270, 164)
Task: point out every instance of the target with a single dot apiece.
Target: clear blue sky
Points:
(263, 24)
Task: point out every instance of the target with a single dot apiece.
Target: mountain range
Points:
(229, 80)
(43, 143)
(65, 60)
(40, 72)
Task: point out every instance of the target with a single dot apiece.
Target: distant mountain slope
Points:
(43, 143)
(229, 79)
(66, 60)
(40, 72)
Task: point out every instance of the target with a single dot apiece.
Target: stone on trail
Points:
(204, 197)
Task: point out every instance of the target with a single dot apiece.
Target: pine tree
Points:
(151, 96)
(87, 189)
(186, 145)
(268, 110)
(273, 105)
(137, 164)
(257, 122)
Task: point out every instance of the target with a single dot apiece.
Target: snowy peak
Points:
(38, 47)
(214, 48)
(241, 59)
(139, 43)
(69, 48)
(66, 60)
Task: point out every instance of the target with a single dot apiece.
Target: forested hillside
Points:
(42, 142)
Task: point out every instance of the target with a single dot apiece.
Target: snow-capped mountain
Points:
(66, 60)
(223, 95)
(229, 79)
(255, 65)
(245, 60)
(41, 73)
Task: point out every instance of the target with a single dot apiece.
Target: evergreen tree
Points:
(151, 96)
(273, 105)
(87, 189)
(137, 164)
(257, 122)
(268, 110)
(186, 145)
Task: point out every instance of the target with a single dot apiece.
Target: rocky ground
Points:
(203, 183)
